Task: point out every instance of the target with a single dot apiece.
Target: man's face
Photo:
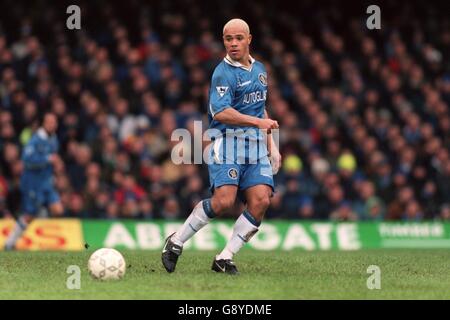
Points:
(50, 123)
(236, 42)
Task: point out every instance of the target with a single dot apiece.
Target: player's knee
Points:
(222, 204)
(260, 203)
(265, 202)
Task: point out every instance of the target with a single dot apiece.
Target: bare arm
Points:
(270, 141)
(233, 117)
(272, 148)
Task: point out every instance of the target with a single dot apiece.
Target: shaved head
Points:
(236, 39)
(237, 24)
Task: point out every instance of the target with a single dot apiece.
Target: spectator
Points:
(343, 212)
(372, 207)
(445, 212)
(171, 209)
(77, 170)
(76, 207)
(146, 210)
(413, 212)
(129, 190)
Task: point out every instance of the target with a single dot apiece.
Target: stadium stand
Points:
(364, 114)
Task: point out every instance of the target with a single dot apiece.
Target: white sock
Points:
(244, 229)
(200, 217)
(15, 235)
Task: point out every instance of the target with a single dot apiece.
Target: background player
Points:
(36, 183)
(237, 100)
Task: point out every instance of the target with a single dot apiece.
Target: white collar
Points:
(234, 63)
(42, 133)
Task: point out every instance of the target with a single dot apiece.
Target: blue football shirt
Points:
(38, 171)
(244, 89)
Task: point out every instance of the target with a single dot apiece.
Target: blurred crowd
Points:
(364, 114)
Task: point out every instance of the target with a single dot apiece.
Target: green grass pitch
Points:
(405, 274)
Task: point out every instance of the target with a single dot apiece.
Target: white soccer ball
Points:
(106, 263)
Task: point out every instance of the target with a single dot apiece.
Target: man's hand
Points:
(267, 124)
(54, 159)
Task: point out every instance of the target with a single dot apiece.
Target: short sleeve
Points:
(221, 93)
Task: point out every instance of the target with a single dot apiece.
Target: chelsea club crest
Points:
(232, 173)
(263, 78)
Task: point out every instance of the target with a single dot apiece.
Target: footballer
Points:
(237, 98)
(36, 183)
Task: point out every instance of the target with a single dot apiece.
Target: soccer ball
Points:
(106, 263)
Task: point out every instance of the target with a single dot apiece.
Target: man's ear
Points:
(249, 38)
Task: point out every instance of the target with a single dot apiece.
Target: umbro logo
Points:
(221, 90)
(244, 83)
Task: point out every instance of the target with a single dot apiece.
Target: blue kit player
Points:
(36, 183)
(241, 163)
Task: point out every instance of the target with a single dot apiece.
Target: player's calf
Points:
(20, 227)
(199, 217)
(244, 229)
(258, 201)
